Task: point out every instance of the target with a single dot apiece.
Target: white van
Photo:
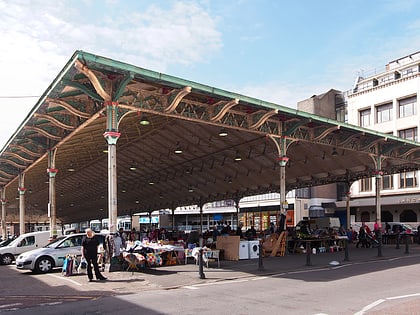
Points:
(23, 243)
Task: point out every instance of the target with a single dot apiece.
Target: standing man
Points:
(90, 252)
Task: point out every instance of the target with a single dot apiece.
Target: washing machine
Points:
(253, 247)
(243, 250)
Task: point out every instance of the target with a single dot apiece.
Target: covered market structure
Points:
(114, 137)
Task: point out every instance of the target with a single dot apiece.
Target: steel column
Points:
(378, 187)
(112, 135)
(52, 208)
(3, 213)
(21, 190)
(348, 206)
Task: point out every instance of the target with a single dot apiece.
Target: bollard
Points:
(346, 250)
(398, 241)
(406, 245)
(308, 254)
(260, 257)
(200, 264)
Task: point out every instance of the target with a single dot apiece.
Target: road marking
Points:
(197, 286)
(403, 296)
(190, 287)
(65, 278)
(370, 306)
(10, 305)
(258, 278)
(49, 304)
(376, 303)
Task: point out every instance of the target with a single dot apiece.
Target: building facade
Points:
(386, 101)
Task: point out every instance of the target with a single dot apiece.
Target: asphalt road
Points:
(386, 286)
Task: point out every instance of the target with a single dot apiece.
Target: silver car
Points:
(51, 256)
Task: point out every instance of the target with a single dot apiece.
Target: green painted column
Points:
(52, 207)
(3, 213)
(21, 190)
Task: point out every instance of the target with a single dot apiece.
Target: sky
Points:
(278, 51)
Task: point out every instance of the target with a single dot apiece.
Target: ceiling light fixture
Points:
(133, 166)
(178, 149)
(223, 133)
(144, 121)
(334, 152)
(238, 157)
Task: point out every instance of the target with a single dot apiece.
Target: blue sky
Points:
(278, 51)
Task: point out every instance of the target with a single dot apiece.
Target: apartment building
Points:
(386, 101)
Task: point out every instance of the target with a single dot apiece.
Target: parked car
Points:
(23, 243)
(6, 242)
(396, 227)
(43, 260)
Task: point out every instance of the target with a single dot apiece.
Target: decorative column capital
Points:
(52, 171)
(283, 160)
(112, 136)
(110, 103)
(378, 173)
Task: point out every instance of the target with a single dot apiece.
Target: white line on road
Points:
(197, 286)
(49, 304)
(9, 305)
(67, 279)
(376, 303)
(259, 278)
(190, 287)
(403, 296)
(368, 307)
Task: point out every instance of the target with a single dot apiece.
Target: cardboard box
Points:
(229, 245)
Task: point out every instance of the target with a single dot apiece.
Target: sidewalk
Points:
(170, 277)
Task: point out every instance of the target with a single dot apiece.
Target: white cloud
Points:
(38, 37)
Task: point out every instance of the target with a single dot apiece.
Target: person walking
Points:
(90, 252)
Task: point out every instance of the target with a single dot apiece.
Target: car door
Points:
(72, 245)
(26, 244)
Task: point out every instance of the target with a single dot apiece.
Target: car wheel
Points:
(7, 259)
(44, 265)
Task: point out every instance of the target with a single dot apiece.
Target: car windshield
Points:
(53, 243)
(16, 241)
(407, 226)
(5, 242)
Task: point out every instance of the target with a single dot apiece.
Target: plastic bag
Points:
(83, 263)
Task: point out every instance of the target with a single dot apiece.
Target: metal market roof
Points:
(71, 117)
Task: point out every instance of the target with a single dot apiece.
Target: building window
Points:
(408, 106)
(341, 113)
(408, 215)
(408, 179)
(409, 71)
(365, 216)
(366, 184)
(409, 134)
(387, 78)
(384, 113)
(365, 118)
(387, 182)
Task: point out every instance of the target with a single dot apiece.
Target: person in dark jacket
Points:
(90, 245)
